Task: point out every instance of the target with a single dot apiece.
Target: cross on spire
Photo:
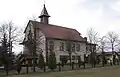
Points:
(44, 2)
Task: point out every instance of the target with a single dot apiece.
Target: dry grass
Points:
(111, 71)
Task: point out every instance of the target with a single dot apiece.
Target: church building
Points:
(61, 40)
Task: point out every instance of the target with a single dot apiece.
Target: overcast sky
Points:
(103, 15)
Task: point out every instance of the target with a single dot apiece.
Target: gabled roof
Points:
(58, 32)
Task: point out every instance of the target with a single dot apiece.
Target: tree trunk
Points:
(113, 54)
(34, 51)
(103, 57)
(112, 49)
(70, 59)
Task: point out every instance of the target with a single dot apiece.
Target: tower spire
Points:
(44, 15)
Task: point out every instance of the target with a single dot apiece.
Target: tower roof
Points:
(44, 12)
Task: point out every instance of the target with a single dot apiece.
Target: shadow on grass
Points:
(48, 71)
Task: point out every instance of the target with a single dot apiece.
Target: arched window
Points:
(77, 47)
(51, 45)
(73, 47)
(61, 46)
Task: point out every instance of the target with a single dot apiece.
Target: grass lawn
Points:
(111, 71)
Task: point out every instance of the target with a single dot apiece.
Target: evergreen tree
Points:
(19, 62)
(1, 58)
(41, 61)
(52, 60)
(5, 54)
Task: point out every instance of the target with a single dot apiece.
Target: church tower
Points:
(44, 16)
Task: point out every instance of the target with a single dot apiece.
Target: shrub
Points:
(41, 61)
(52, 61)
(18, 66)
(63, 60)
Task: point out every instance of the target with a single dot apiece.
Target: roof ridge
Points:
(53, 25)
(34, 21)
(62, 26)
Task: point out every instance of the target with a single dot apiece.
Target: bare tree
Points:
(34, 45)
(36, 40)
(69, 49)
(102, 47)
(12, 32)
(92, 36)
(112, 39)
(101, 44)
(9, 35)
(92, 39)
(113, 42)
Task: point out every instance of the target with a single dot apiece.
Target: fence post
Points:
(27, 68)
(6, 68)
(59, 66)
(72, 65)
(111, 62)
(44, 67)
(84, 64)
(117, 62)
(79, 64)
